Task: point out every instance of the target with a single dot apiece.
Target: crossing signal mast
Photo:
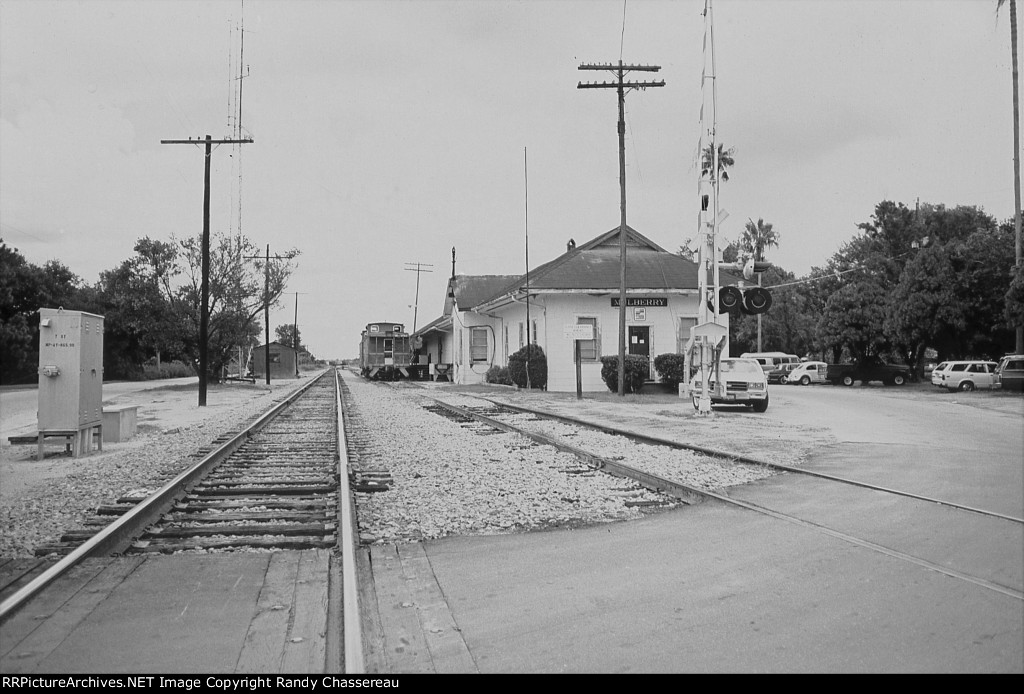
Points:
(709, 339)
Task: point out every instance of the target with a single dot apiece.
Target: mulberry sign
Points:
(640, 301)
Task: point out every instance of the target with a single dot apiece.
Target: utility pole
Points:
(204, 304)
(420, 267)
(295, 333)
(621, 86)
(266, 304)
(526, 234)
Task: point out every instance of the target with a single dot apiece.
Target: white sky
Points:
(388, 131)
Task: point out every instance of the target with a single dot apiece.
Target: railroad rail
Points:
(487, 416)
(499, 406)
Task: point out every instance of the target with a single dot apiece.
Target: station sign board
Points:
(642, 301)
(572, 331)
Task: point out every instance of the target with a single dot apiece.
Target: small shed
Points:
(283, 362)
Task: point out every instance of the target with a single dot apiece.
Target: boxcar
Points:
(385, 352)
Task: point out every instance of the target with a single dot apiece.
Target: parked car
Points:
(771, 360)
(1010, 372)
(965, 375)
(745, 384)
(780, 373)
(868, 369)
(807, 373)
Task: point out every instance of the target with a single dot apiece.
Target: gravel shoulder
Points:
(41, 499)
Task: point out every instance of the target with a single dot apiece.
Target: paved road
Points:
(717, 589)
(965, 447)
(18, 404)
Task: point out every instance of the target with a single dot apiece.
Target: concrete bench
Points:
(119, 422)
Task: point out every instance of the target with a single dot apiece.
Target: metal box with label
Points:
(70, 370)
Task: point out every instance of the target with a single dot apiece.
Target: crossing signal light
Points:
(729, 299)
(756, 300)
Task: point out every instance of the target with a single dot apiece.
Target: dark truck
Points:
(868, 369)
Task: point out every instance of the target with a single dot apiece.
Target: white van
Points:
(771, 360)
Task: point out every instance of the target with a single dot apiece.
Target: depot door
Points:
(640, 342)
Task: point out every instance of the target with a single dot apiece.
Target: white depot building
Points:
(485, 316)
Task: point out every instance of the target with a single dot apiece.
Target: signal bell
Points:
(752, 267)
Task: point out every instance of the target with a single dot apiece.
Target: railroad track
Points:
(277, 490)
(494, 415)
(273, 485)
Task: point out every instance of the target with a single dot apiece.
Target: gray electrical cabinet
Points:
(70, 370)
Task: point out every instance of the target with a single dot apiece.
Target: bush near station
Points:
(498, 375)
(637, 368)
(671, 369)
(538, 367)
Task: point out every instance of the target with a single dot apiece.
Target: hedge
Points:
(538, 367)
(637, 369)
(671, 369)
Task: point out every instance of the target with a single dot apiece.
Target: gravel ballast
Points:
(446, 479)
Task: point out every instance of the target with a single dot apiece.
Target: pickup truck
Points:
(869, 369)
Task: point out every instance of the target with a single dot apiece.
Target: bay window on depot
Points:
(478, 344)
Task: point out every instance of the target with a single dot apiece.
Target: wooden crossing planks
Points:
(304, 649)
(289, 630)
(15, 573)
(214, 613)
(30, 636)
(420, 634)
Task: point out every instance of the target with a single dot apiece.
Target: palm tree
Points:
(1016, 150)
(757, 238)
(725, 160)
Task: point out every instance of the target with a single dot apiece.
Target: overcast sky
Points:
(388, 131)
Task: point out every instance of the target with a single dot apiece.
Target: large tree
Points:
(143, 318)
(243, 285)
(24, 289)
(936, 276)
(289, 334)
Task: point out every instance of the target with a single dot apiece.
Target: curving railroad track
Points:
(535, 424)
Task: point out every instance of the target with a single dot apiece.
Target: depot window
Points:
(478, 344)
(588, 348)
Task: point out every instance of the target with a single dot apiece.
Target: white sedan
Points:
(807, 373)
(745, 384)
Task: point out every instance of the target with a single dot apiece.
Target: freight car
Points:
(385, 352)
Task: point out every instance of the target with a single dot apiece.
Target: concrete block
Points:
(119, 422)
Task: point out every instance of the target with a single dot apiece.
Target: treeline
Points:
(151, 304)
(910, 280)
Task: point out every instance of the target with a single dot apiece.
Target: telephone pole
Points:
(419, 267)
(295, 333)
(266, 304)
(204, 303)
(621, 86)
